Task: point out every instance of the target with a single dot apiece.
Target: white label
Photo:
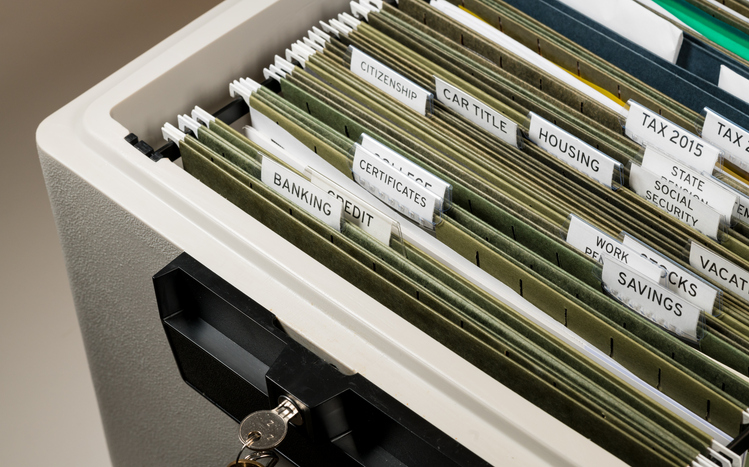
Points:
(273, 138)
(678, 280)
(648, 128)
(594, 243)
(572, 150)
(394, 187)
(650, 299)
(422, 176)
(390, 81)
(476, 111)
(355, 210)
(301, 192)
(702, 187)
(674, 201)
(726, 135)
(733, 83)
(722, 271)
(741, 208)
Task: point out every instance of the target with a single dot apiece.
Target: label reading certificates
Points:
(390, 81)
(301, 192)
(722, 271)
(394, 187)
(476, 111)
(648, 128)
(726, 135)
(674, 201)
(650, 299)
(572, 150)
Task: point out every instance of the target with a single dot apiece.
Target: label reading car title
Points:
(650, 299)
(648, 128)
(674, 201)
(394, 187)
(726, 135)
(572, 150)
(476, 111)
(729, 275)
(389, 81)
(301, 192)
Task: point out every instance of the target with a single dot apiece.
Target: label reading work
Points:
(355, 210)
(703, 187)
(726, 135)
(390, 81)
(674, 201)
(301, 193)
(394, 187)
(722, 271)
(650, 299)
(648, 128)
(476, 111)
(595, 244)
(678, 280)
(422, 176)
(572, 150)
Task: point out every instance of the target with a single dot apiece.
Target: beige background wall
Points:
(50, 52)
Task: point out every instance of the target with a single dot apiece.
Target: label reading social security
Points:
(572, 150)
(476, 111)
(726, 135)
(648, 128)
(390, 81)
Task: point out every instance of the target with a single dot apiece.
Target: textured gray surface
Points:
(151, 417)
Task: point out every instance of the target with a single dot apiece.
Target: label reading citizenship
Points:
(301, 193)
(572, 150)
(650, 299)
(647, 127)
(595, 244)
(680, 281)
(703, 187)
(721, 270)
(726, 135)
(394, 187)
(390, 81)
(674, 201)
(476, 111)
(422, 176)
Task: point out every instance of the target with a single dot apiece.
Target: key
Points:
(271, 425)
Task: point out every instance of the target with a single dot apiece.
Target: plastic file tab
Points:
(719, 269)
(728, 136)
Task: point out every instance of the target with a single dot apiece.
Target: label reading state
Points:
(301, 192)
(595, 244)
(355, 210)
(394, 187)
(674, 201)
(572, 150)
(648, 128)
(390, 81)
(726, 135)
(422, 176)
(700, 186)
(722, 271)
(650, 299)
(476, 111)
(678, 280)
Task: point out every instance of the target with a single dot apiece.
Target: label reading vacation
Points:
(719, 269)
(678, 280)
(648, 128)
(422, 176)
(650, 299)
(355, 210)
(476, 111)
(595, 244)
(394, 187)
(726, 135)
(572, 150)
(301, 192)
(703, 187)
(674, 201)
(389, 81)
